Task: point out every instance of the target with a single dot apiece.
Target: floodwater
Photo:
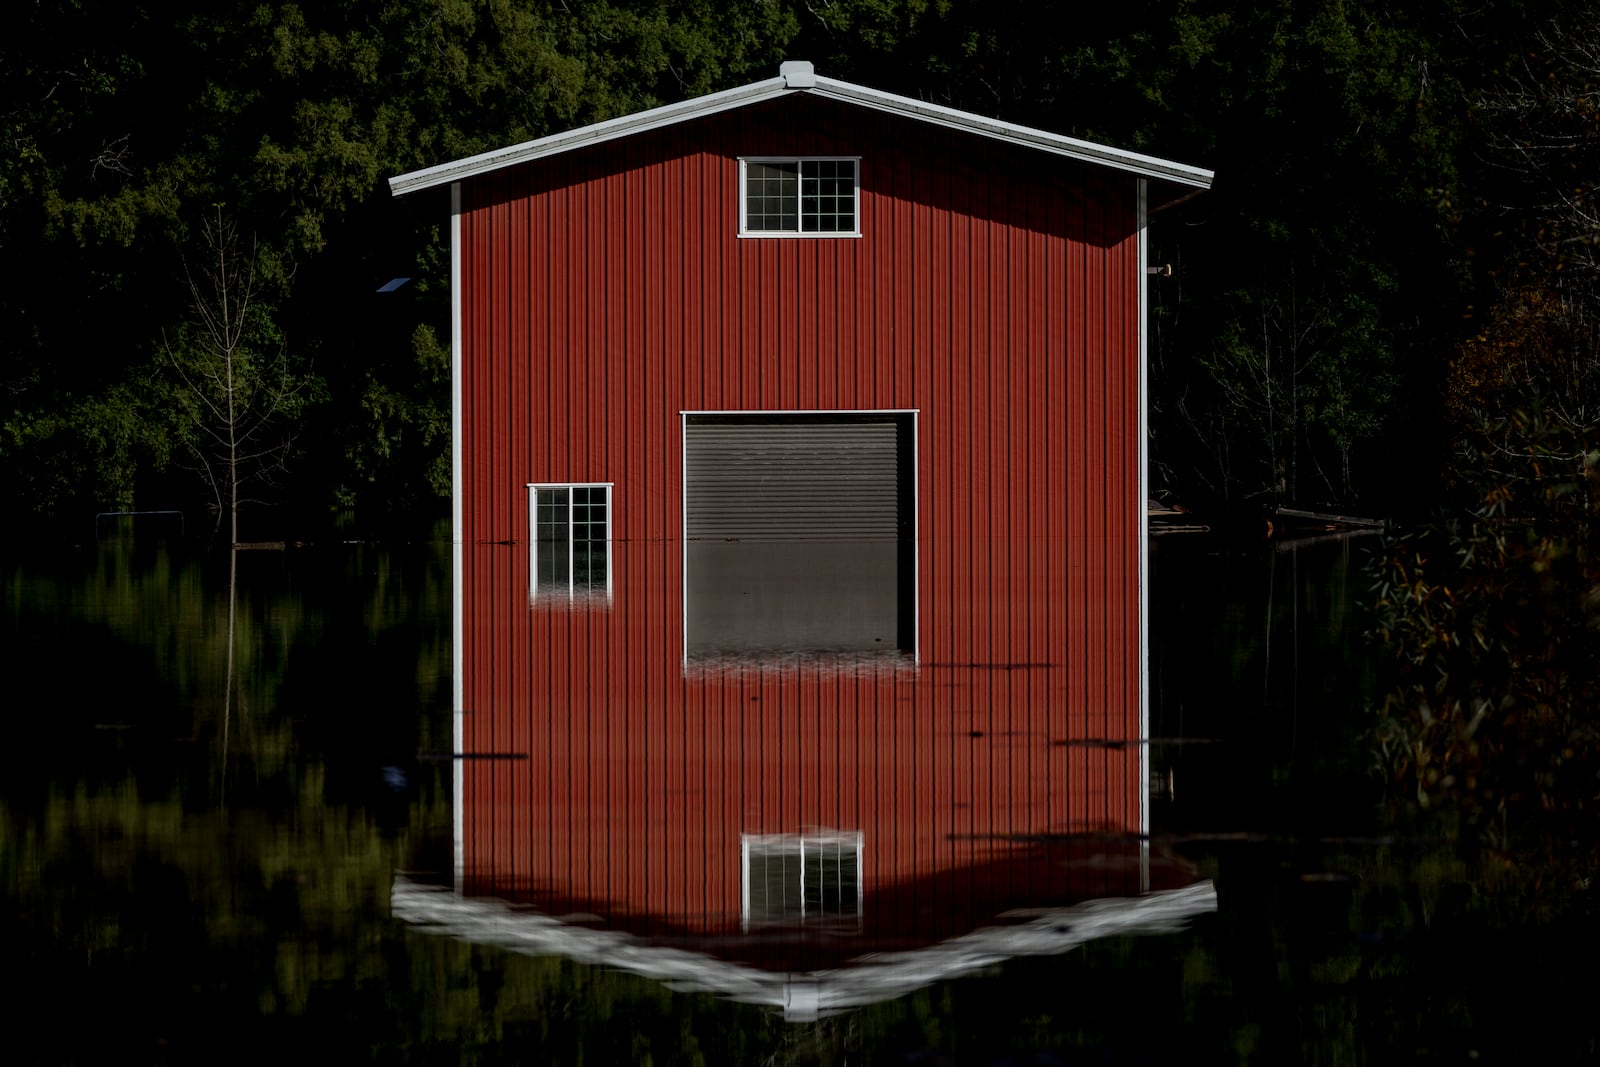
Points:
(199, 870)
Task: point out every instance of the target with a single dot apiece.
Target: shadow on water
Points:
(193, 870)
(1260, 684)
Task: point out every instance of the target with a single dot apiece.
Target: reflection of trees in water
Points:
(127, 888)
(138, 639)
(264, 929)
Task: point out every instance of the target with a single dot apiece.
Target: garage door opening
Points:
(799, 534)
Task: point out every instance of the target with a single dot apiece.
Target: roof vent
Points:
(798, 74)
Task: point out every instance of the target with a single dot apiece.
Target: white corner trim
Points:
(1144, 511)
(457, 560)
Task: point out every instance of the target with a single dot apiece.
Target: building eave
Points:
(600, 132)
(1135, 163)
(798, 78)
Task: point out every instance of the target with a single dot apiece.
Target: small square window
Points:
(570, 532)
(799, 197)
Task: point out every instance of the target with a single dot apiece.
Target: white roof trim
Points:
(1071, 147)
(795, 80)
(610, 130)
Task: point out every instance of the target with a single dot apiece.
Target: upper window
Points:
(799, 197)
(571, 528)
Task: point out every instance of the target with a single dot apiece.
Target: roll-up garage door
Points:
(799, 533)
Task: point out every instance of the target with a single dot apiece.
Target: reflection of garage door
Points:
(800, 533)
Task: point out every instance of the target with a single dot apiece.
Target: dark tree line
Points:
(1350, 252)
(1491, 613)
(126, 129)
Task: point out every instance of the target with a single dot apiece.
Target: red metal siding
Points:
(994, 291)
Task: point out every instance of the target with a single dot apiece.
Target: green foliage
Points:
(125, 126)
(1298, 349)
(1326, 272)
(407, 427)
(91, 446)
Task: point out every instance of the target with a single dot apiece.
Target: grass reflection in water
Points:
(166, 902)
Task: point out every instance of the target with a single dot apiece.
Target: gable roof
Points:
(800, 77)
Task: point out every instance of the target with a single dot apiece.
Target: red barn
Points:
(799, 504)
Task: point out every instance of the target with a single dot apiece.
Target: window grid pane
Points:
(772, 201)
(828, 195)
(800, 196)
(552, 548)
(571, 540)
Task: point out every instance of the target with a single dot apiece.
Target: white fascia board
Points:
(600, 132)
(701, 106)
(1133, 162)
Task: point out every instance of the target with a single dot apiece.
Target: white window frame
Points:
(535, 593)
(800, 162)
(832, 840)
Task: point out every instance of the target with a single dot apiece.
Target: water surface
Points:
(197, 871)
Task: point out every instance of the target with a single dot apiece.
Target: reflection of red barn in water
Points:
(799, 516)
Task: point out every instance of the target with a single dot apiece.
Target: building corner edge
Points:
(1143, 460)
(457, 560)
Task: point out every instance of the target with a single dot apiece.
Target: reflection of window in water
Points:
(571, 533)
(813, 878)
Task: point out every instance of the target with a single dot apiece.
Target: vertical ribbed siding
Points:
(994, 292)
